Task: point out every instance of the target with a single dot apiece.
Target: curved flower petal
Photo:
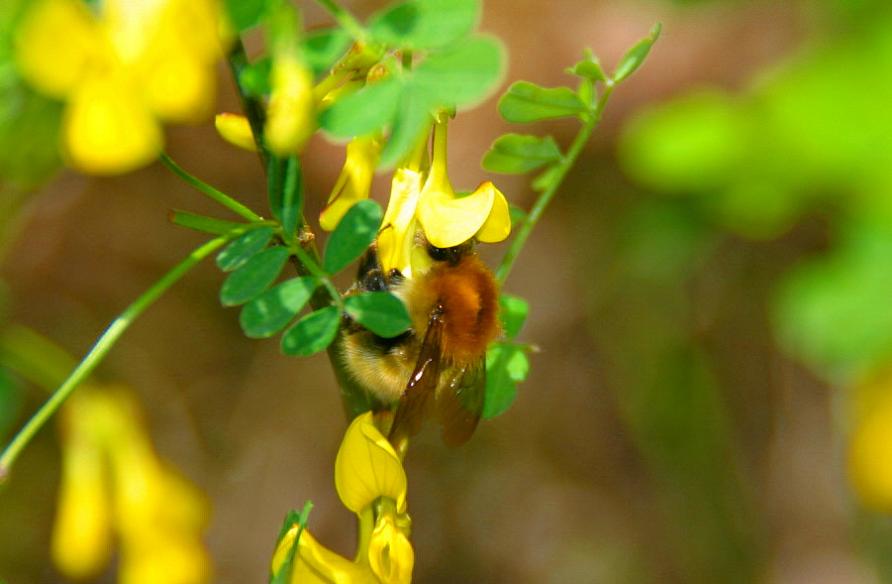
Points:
(108, 129)
(354, 182)
(235, 129)
(367, 467)
(398, 226)
(54, 45)
(448, 220)
(497, 226)
(316, 564)
(290, 114)
(391, 556)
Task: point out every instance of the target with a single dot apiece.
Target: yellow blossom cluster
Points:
(371, 482)
(122, 68)
(115, 487)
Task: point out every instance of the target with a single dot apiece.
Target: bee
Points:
(437, 367)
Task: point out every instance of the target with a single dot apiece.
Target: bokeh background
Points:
(711, 293)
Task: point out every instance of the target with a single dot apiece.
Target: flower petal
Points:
(497, 226)
(449, 220)
(290, 114)
(354, 182)
(178, 87)
(316, 564)
(108, 129)
(398, 226)
(870, 454)
(235, 129)
(367, 467)
(81, 544)
(55, 43)
(391, 556)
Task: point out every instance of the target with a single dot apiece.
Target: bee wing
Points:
(415, 401)
(460, 402)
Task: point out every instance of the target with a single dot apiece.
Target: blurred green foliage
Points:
(29, 123)
(813, 136)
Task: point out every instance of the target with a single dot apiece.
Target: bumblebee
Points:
(437, 367)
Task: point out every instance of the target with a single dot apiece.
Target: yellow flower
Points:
(367, 467)
(447, 219)
(120, 485)
(123, 70)
(291, 117)
(81, 543)
(371, 482)
(354, 182)
(235, 129)
(870, 444)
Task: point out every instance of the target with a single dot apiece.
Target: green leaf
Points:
(461, 76)
(244, 248)
(245, 14)
(254, 79)
(547, 177)
(354, 234)
(11, 401)
(284, 574)
(292, 198)
(506, 366)
(271, 311)
(636, 55)
(366, 111)
(518, 215)
(425, 24)
(516, 153)
(527, 102)
(202, 223)
(513, 313)
(381, 312)
(285, 192)
(588, 68)
(322, 48)
(312, 333)
(247, 282)
(413, 118)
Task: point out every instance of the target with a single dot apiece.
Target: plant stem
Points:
(316, 271)
(526, 227)
(102, 346)
(215, 194)
(347, 21)
(238, 61)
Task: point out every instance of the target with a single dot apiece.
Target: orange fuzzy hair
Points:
(468, 295)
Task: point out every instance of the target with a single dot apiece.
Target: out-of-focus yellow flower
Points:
(447, 219)
(81, 545)
(123, 70)
(291, 114)
(235, 129)
(371, 482)
(123, 487)
(354, 182)
(870, 444)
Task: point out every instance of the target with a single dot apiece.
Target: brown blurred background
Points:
(622, 460)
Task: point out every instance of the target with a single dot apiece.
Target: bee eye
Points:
(451, 255)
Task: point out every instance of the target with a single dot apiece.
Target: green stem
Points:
(105, 342)
(215, 194)
(315, 270)
(253, 108)
(523, 233)
(347, 21)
